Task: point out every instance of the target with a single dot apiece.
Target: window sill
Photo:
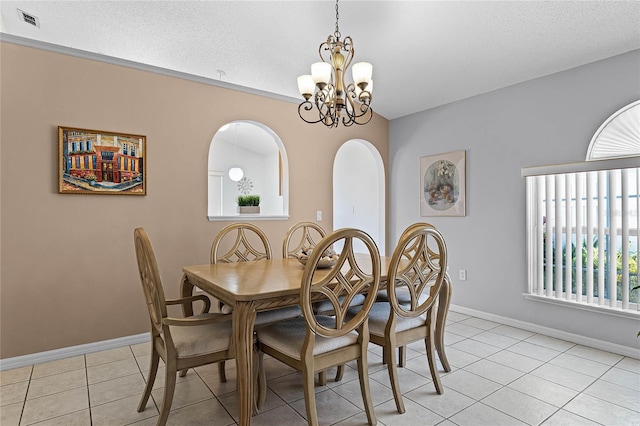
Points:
(608, 310)
(251, 217)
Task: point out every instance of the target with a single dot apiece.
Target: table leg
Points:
(186, 290)
(244, 316)
(444, 301)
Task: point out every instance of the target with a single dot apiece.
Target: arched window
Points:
(260, 154)
(618, 136)
(583, 222)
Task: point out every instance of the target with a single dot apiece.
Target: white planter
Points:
(249, 209)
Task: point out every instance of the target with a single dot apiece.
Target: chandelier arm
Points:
(356, 103)
(308, 106)
(326, 46)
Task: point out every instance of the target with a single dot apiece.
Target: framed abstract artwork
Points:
(99, 162)
(442, 184)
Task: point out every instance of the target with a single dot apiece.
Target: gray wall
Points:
(548, 120)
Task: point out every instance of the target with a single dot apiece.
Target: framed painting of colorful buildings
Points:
(98, 162)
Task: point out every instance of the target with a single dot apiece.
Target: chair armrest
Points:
(190, 299)
(196, 321)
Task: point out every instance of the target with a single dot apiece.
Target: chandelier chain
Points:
(337, 32)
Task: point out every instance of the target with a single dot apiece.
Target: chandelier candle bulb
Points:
(362, 72)
(321, 73)
(306, 86)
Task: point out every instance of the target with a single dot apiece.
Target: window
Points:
(583, 222)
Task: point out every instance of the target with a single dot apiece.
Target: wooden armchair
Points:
(181, 343)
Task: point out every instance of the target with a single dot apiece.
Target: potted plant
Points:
(249, 204)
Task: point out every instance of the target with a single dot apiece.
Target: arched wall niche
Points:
(260, 153)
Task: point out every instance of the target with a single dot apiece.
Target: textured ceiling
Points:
(424, 53)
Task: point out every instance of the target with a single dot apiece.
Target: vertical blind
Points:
(582, 232)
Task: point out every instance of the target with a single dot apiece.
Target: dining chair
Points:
(181, 343)
(309, 234)
(315, 342)
(243, 242)
(404, 297)
(417, 268)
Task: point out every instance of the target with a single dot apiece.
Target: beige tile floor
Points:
(501, 376)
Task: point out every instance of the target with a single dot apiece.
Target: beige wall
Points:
(68, 273)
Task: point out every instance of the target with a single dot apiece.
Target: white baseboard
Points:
(552, 332)
(53, 355)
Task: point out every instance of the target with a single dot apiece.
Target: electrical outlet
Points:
(319, 215)
(463, 275)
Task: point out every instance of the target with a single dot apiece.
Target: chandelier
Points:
(325, 90)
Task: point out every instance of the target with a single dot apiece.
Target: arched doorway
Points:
(359, 190)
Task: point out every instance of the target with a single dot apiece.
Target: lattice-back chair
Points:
(243, 242)
(444, 300)
(309, 234)
(249, 243)
(417, 269)
(315, 342)
(181, 343)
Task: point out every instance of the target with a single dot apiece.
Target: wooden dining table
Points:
(262, 285)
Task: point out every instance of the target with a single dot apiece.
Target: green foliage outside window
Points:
(633, 271)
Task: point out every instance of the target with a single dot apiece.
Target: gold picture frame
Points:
(443, 184)
(100, 162)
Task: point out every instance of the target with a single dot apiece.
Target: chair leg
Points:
(308, 384)
(393, 377)
(363, 375)
(431, 355)
(167, 398)
(222, 372)
(444, 301)
(339, 373)
(183, 372)
(322, 378)
(151, 378)
(402, 356)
